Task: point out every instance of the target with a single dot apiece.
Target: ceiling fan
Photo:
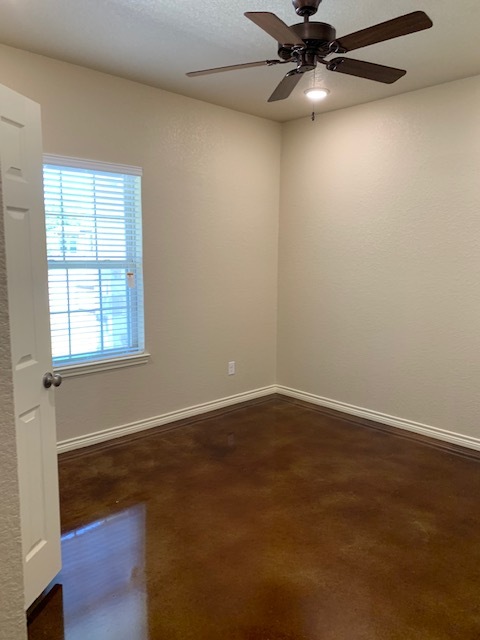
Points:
(308, 43)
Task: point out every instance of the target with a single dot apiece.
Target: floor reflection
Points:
(103, 578)
(298, 527)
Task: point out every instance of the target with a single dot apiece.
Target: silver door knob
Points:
(51, 378)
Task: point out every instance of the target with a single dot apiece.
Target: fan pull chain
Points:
(314, 85)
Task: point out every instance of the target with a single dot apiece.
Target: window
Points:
(94, 251)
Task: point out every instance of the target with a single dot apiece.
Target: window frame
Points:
(125, 360)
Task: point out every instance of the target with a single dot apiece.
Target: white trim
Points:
(96, 165)
(157, 421)
(172, 417)
(102, 365)
(400, 423)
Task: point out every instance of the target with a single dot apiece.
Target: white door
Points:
(22, 188)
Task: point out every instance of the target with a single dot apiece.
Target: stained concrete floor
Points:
(267, 522)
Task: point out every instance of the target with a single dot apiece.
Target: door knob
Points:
(50, 379)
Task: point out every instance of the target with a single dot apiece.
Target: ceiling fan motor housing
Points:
(306, 7)
(316, 35)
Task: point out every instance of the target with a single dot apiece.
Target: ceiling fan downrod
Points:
(306, 8)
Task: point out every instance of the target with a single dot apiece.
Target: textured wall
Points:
(211, 197)
(379, 256)
(378, 251)
(12, 615)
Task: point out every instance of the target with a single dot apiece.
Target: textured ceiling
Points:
(157, 41)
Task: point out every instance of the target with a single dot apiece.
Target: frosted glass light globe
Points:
(316, 93)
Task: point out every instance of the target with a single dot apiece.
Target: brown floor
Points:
(268, 522)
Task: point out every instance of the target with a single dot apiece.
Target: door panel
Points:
(24, 220)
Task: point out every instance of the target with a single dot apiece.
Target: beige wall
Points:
(378, 260)
(210, 204)
(12, 616)
(379, 273)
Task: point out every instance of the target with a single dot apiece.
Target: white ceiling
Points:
(157, 41)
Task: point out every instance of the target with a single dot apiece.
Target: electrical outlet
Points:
(231, 368)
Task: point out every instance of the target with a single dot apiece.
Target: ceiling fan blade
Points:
(246, 65)
(402, 26)
(275, 27)
(368, 70)
(286, 86)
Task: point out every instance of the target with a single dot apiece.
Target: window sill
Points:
(104, 365)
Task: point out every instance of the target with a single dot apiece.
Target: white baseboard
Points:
(157, 421)
(400, 423)
(174, 416)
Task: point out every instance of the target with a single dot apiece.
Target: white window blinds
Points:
(94, 249)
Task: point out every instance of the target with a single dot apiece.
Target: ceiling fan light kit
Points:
(310, 43)
(316, 93)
